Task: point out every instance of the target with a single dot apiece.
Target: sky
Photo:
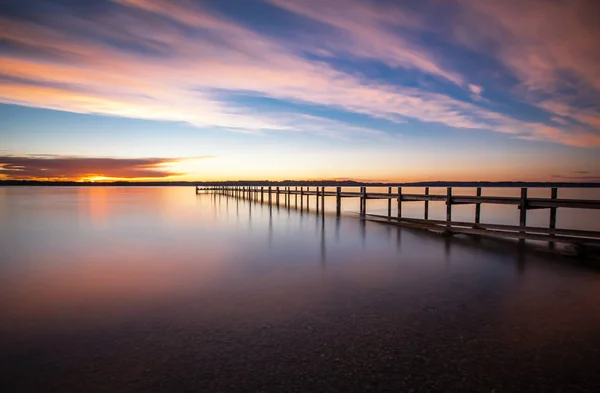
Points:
(371, 90)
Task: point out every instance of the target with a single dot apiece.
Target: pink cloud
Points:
(551, 46)
(179, 84)
(367, 30)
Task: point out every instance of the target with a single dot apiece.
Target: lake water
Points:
(108, 289)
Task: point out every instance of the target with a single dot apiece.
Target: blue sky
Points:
(380, 90)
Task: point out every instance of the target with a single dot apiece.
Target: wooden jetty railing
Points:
(551, 234)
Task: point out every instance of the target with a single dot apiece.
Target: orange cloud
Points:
(50, 167)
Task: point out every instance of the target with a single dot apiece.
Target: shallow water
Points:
(159, 289)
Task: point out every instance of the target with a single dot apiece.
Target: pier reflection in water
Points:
(142, 288)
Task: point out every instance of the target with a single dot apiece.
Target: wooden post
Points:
(262, 195)
(296, 197)
(277, 195)
(323, 200)
(478, 208)
(523, 212)
(308, 199)
(448, 206)
(317, 198)
(360, 205)
(364, 201)
(338, 201)
(301, 198)
(269, 190)
(390, 202)
(426, 213)
(553, 195)
(399, 202)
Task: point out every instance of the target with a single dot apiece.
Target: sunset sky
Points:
(313, 89)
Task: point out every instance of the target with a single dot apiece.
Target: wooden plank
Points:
(570, 203)
(552, 223)
(399, 213)
(440, 226)
(426, 212)
(364, 201)
(532, 203)
(523, 208)
(448, 206)
(556, 231)
(338, 201)
(478, 207)
(389, 202)
(317, 199)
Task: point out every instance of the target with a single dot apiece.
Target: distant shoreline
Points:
(306, 183)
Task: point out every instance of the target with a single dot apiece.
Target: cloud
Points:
(578, 178)
(370, 31)
(551, 47)
(174, 61)
(476, 90)
(54, 167)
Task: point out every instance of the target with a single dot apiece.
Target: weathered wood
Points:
(448, 206)
(523, 208)
(552, 224)
(317, 200)
(389, 202)
(363, 201)
(523, 214)
(338, 201)
(478, 207)
(483, 230)
(515, 228)
(308, 198)
(400, 197)
(523, 203)
(426, 211)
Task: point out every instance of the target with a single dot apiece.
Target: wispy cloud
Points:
(552, 48)
(578, 178)
(53, 167)
(370, 31)
(153, 59)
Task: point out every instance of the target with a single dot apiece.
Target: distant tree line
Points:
(299, 183)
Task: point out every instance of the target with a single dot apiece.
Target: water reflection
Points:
(188, 267)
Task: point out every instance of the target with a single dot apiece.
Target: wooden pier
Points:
(581, 239)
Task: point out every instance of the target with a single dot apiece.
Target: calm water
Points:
(158, 289)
